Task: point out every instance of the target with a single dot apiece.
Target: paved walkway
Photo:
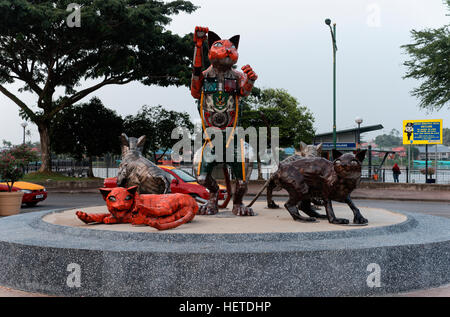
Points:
(443, 291)
(401, 195)
(9, 292)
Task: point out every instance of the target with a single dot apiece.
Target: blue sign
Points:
(422, 132)
(339, 146)
(427, 131)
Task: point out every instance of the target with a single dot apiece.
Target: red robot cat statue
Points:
(125, 205)
(218, 90)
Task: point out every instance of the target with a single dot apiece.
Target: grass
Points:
(42, 177)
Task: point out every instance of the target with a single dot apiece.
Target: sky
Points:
(289, 46)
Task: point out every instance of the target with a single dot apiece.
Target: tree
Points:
(7, 144)
(118, 41)
(88, 129)
(446, 136)
(13, 162)
(157, 124)
(430, 55)
(390, 140)
(277, 108)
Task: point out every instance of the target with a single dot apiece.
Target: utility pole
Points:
(333, 38)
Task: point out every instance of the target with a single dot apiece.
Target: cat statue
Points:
(136, 170)
(125, 205)
(219, 90)
(321, 180)
(305, 151)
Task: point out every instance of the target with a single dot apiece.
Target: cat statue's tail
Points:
(260, 192)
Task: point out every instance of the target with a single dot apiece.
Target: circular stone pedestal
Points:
(268, 255)
(225, 222)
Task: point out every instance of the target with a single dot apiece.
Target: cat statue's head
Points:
(132, 144)
(348, 165)
(310, 150)
(223, 54)
(119, 200)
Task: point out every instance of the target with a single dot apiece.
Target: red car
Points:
(180, 182)
(32, 193)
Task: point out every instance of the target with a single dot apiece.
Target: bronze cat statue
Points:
(305, 151)
(321, 181)
(136, 170)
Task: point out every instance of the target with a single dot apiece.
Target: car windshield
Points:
(185, 177)
(169, 176)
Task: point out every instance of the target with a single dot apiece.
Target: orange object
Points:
(375, 177)
(125, 205)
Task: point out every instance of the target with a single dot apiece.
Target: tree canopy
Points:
(118, 41)
(86, 130)
(446, 136)
(393, 139)
(429, 63)
(277, 108)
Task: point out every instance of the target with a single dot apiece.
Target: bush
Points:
(12, 163)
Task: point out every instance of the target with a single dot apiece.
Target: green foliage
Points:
(446, 136)
(25, 153)
(429, 63)
(12, 163)
(119, 41)
(157, 124)
(277, 108)
(88, 129)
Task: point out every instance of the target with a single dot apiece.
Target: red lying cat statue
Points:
(125, 205)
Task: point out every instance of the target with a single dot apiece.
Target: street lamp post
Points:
(24, 125)
(359, 121)
(333, 38)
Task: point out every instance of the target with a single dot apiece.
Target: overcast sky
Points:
(289, 46)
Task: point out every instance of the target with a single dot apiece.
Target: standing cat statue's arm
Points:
(200, 36)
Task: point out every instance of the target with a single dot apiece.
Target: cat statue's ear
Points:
(336, 154)
(319, 148)
(124, 140)
(132, 190)
(124, 144)
(302, 146)
(141, 141)
(235, 40)
(361, 155)
(105, 192)
(212, 38)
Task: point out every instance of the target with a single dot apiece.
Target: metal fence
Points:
(103, 167)
(385, 175)
(107, 166)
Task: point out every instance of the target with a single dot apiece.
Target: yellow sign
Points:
(422, 132)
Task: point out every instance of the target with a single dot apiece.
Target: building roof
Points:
(369, 128)
(432, 149)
